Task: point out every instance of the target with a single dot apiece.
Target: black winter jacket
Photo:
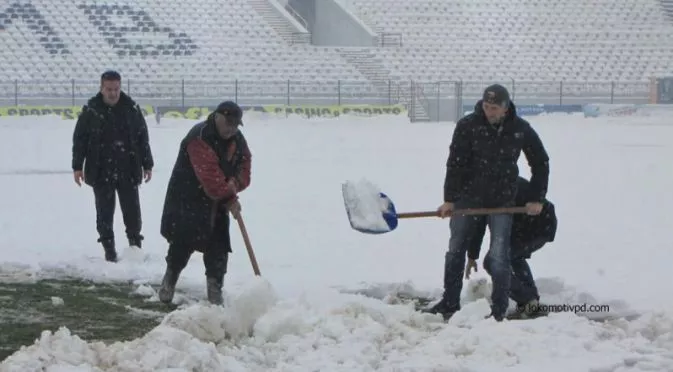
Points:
(197, 190)
(98, 126)
(482, 166)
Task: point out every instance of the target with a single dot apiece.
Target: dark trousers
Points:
(106, 200)
(522, 287)
(463, 229)
(215, 251)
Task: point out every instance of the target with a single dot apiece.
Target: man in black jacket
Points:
(529, 234)
(212, 168)
(111, 153)
(482, 172)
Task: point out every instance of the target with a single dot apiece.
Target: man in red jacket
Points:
(213, 166)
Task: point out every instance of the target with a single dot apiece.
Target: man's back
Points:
(527, 228)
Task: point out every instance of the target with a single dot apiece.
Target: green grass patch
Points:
(94, 312)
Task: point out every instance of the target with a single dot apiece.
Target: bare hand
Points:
(79, 177)
(533, 209)
(445, 209)
(471, 264)
(148, 175)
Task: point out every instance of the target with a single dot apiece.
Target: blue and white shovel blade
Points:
(369, 210)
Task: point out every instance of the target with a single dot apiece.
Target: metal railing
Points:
(296, 15)
(189, 92)
(434, 96)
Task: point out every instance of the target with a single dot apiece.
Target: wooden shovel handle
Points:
(464, 212)
(418, 214)
(248, 245)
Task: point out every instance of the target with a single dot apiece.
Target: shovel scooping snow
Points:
(371, 211)
(368, 209)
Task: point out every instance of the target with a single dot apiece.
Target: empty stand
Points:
(523, 40)
(235, 47)
(208, 43)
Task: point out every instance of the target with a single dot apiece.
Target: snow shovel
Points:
(248, 245)
(372, 212)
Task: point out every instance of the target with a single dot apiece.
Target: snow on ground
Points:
(610, 180)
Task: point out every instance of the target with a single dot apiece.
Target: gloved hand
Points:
(232, 186)
(234, 206)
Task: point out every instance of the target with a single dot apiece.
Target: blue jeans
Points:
(523, 288)
(497, 259)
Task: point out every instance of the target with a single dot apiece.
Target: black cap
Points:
(231, 110)
(496, 94)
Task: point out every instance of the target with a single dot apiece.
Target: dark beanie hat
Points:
(496, 94)
(231, 110)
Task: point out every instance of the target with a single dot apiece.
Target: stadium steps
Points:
(281, 21)
(374, 70)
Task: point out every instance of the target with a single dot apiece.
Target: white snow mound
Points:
(351, 332)
(210, 323)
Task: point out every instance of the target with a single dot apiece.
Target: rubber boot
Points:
(109, 248)
(167, 290)
(214, 290)
(136, 241)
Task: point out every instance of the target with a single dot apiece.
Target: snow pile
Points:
(341, 332)
(211, 324)
(14, 272)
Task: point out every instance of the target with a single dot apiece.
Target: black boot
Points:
(441, 308)
(110, 251)
(167, 289)
(497, 317)
(136, 240)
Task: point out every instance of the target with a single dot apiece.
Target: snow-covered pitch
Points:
(611, 180)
